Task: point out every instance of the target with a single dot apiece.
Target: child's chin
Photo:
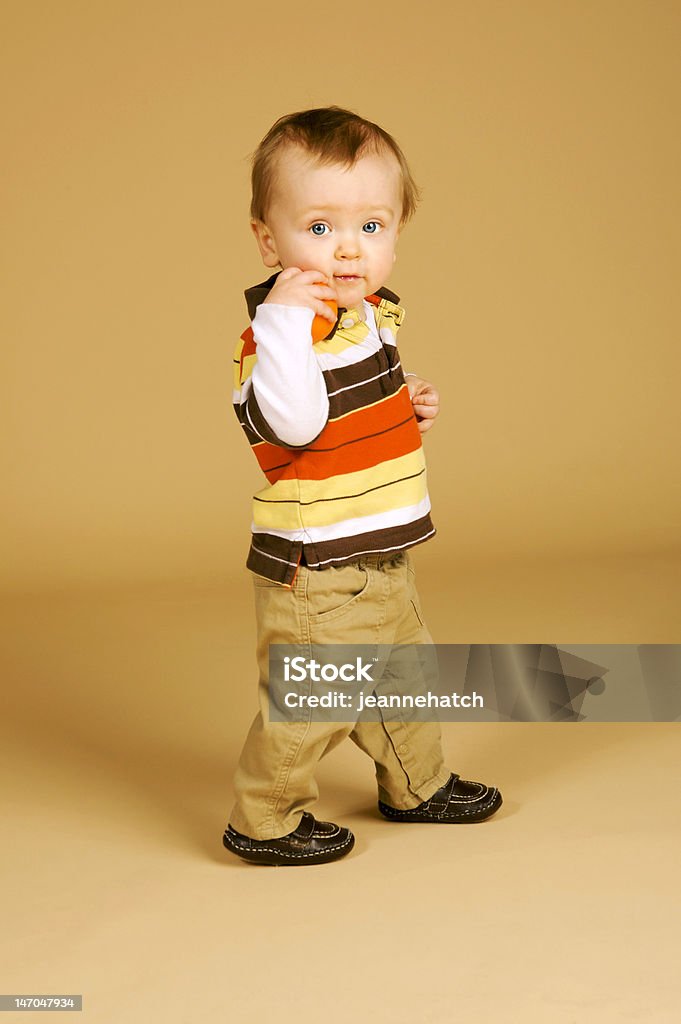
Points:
(350, 290)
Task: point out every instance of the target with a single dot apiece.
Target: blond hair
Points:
(332, 135)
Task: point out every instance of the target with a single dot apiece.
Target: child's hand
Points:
(425, 400)
(295, 287)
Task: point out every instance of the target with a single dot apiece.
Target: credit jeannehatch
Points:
(475, 682)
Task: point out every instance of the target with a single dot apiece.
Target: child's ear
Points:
(266, 245)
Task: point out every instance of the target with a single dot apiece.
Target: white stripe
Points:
(352, 527)
(265, 553)
(387, 337)
(238, 399)
(359, 383)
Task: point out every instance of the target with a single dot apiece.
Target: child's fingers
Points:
(425, 425)
(312, 277)
(429, 396)
(427, 411)
(290, 272)
(427, 399)
(321, 309)
(323, 291)
(302, 278)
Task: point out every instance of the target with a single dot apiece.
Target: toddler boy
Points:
(336, 429)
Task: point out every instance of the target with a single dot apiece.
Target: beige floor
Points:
(122, 721)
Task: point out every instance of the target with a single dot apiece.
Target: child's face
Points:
(342, 221)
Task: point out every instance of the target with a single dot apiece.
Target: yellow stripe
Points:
(385, 320)
(247, 367)
(324, 513)
(344, 338)
(242, 371)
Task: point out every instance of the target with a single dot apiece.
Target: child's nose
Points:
(347, 247)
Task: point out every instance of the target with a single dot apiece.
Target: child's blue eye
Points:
(373, 227)
(314, 230)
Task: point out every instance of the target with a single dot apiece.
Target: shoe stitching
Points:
(327, 835)
(394, 812)
(436, 817)
(335, 831)
(458, 797)
(282, 853)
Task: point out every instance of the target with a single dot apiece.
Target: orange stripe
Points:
(311, 465)
(362, 439)
(372, 419)
(270, 458)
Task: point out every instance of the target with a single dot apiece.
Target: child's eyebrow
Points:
(312, 210)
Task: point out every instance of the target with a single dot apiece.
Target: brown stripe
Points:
(348, 549)
(276, 558)
(354, 373)
(389, 383)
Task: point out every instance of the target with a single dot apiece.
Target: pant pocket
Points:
(335, 592)
(413, 593)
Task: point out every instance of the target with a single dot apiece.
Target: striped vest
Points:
(360, 486)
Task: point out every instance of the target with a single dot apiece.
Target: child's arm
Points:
(425, 400)
(287, 383)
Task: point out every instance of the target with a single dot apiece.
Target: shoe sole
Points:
(275, 858)
(464, 817)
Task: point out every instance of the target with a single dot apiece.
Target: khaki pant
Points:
(371, 601)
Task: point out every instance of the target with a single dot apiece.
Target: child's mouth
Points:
(347, 277)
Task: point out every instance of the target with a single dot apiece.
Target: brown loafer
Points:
(457, 802)
(312, 842)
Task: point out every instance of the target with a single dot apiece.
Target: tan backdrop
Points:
(544, 134)
(545, 138)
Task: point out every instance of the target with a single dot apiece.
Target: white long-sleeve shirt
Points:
(287, 380)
